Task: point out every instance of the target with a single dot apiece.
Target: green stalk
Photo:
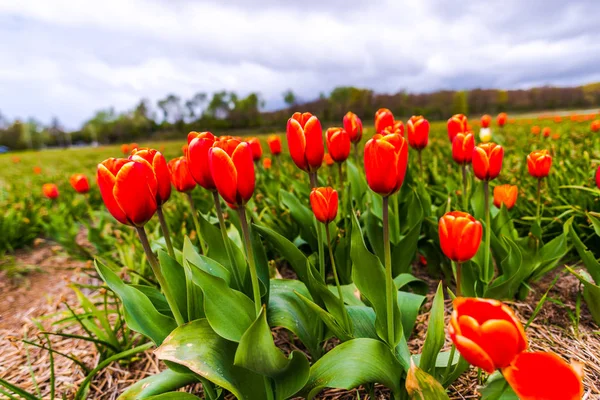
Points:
(539, 200)
(341, 175)
(159, 276)
(313, 184)
(165, 230)
(488, 228)
(335, 276)
(201, 240)
(389, 280)
(465, 197)
(356, 154)
(236, 273)
(420, 164)
(250, 257)
(458, 277)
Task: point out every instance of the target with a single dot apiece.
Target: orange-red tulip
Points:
(129, 189)
(324, 203)
(486, 332)
(460, 235)
(274, 143)
(418, 132)
(37, 170)
(353, 125)
(546, 131)
(159, 165)
(305, 141)
(397, 129)
(383, 119)
(255, 147)
(501, 119)
(16, 160)
(328, 160)
(180, 175)
(267, 163)
(487, 161)
(80, 183)
(544, 376)
(232, 169)
(462, 147)
(558, 119)
(595, 126)
(133, 146)
(457, 124)
(386, 159)
(486, 120)
(539, 163)
(505, 194)
(199, 145)
(535, 130)
(125, 149)
(50, 190)
(338, 144)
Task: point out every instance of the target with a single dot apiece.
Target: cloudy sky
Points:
(69, 58)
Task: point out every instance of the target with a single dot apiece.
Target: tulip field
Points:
(392, 260)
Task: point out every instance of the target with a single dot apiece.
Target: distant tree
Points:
(171, 108)
(460, 105)
(289, 98)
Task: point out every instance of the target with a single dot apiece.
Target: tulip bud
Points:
(129, 189)
(501, 119)
(486, 332)
(50, 190)
(505, 194)
(180, 175)
(386, 159)
(383, 119)
(460, 235)
(80, 183)
(125, 149)
(353, 125)
(595, 126)
(418, 132)
(255, 147)
(457, 124)
(485, 135)
(539, 375)
(328, 160)
(305, 141)
(274, 143)
(487, 161)
(338, 144)
(486, 120)
(420, 385)
(199, 145)
(232, 169)
(539, 163)
(324, 203)
(462, 148)
(159, 165)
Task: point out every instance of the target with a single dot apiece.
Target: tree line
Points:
(222, 111)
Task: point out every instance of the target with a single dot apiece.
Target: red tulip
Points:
(305, 141)
(159, 165)
(37, 170)
(328, 160)
(180, 175)
(487, 161)
(199, 145)
(324, 203)
(546, 131)
(456, 124)
(486, 120)
(50, 190)
(462, 148)
(544, 376)
(267, 163)
(80, 183)
(232, 170)
(274, 143)
(125, 149)
(418, 132)
(129, 189)
(396, 129)
(386, 159)
(486, 332)
(338, 144)
(505, 194)
(255, 147)
(595, 126)
(598, 177)
(501, 119)
(383, 119)
(353, 125)
(539, 163)
(535, 130)
(133, 146)
(460, 235)
(184, 149)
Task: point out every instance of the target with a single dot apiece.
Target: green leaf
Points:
(591, 293)
(302, 215)
(358, 184)
(403, 254)
(140, 313)
(514, 273)
(374, 231)
(595, 222)
(257, 352)
(175, 278)
(198, 347)
(363, 322)
(417, 285)
(434, 339)
(328, 319)
(156, 297)
(165, 381)
(422, 386)
(588, 258)
(347, 366)
(262, 264)
(174, 396)
(497, 388)
(409, 305)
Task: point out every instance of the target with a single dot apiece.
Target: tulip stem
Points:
(389, 280)
(159, 276)
(488, 229)
(450, 360)
(341, 175)
(335, 276)
(197, 224)
(165, 230)
(277, 166)
(539, 191)
(313, 184)
(250, 257)
(356, 154)
(420, 163)
(236, 273)
(465, 197)
(458, 278)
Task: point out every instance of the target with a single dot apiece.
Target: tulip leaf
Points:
(417, 285)
(497, 388)
(175, 278)
(262, 264)
(374, 230)
(228, 311)
(434, 339)
(350, 293)
(287, 310)
(588, 258)
(595, 222)
(422, 386)
(174, 396)
(198, 347)
(363, 322)
(409, 305)
(550, 255)
(591, 293)
(329, 320)
(403, 254)
(258, 353)
(346, 367)
(358, 184)
(163, 382)
(303, 217)
(140, 313)
(156, 297)
(507, 284)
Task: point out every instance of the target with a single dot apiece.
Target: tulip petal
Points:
(297, 142)
(244, 166)
(500, 340)
(135, 192)
(106, 183)
(474, 354)
(224, 174)
(314, 143)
